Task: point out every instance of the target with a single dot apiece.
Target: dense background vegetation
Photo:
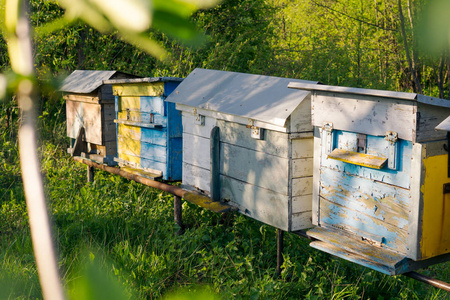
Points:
(127, 230)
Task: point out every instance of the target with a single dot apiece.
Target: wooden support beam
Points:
(280, 246)
(177, 213)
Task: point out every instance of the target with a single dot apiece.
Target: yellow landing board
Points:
(360, 159)
(436, 208)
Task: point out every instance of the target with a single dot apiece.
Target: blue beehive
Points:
(149, 129)
(381, 183)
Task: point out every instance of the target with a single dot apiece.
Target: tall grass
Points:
(126, 231)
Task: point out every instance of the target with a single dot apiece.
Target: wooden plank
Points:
(190, 127)
(139, 124)
(354, 245)
(302, 167)
(274, 142)
(372, 229)
(302, 186)
(175, 159)
(153, 105)
(302, 148)
(301, 204)
(300, 119)
(257, 168)
(380, 201)
(301, 221)
(258, 203)
(129, 103)
(316, 176)
(142, 173)
(196, 177)
(196, 151)
(430, 117)
(144, 150)
(359, 159)
(87, 115)
(147, 89)
(364, 114)
(90, 98)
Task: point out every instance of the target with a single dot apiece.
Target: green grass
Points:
(114, 230)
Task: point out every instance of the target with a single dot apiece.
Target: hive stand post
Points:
(177, 213)
(280, 246)
(90, 173)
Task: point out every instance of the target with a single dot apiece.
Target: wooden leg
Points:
(280, 245)
(177, 213)
(90, 174)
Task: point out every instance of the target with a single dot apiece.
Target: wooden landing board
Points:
(142, 173)
(360, 159)
(354, 249)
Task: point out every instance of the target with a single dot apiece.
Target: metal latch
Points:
(446, 188)
(199, 119)
(392, 138)
(256, 132)
(327, 137)
(128, 114)
(362, 142)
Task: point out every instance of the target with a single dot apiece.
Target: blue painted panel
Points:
(152, 105)
(378, 146)
(154, 136)
(175, 126)
(153, 152)
(362, 225)
(157, 119)
(155, 165)
(175, 158)
(170, 86)
(377, 200)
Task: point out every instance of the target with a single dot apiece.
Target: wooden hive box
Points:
(380, 172)
(247, 139)
(90, 114)
(149, 129)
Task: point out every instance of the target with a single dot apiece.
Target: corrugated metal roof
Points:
(258, 97)
(444, 125)
(142, 80)
(85, 81)
(371, 92)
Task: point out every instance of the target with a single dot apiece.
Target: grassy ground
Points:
(123, 231)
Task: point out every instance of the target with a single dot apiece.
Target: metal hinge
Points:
(199, 119)
(392, 138)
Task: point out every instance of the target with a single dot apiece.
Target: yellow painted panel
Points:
(133, 103)
(140, 89)
(130, 158)
(436, 208)
(130, 132)
(360, 159)
(129, 146)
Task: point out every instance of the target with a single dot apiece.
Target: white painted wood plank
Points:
(302, 148)
(257, 168)
(302, 167)
(300, 119)
(302, 186)
(258, 203)
(274, 142)
(316, 177)
(189, 126)
(301, 203)
(301, 221)
(196, 177)
(366, 115)
(196, 151)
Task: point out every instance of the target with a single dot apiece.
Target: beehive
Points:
(149, 129)
(380, 169)
(90, 114)
(247, 139)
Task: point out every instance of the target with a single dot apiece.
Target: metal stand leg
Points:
(280, 245)
(90, 174)
(177, 213)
